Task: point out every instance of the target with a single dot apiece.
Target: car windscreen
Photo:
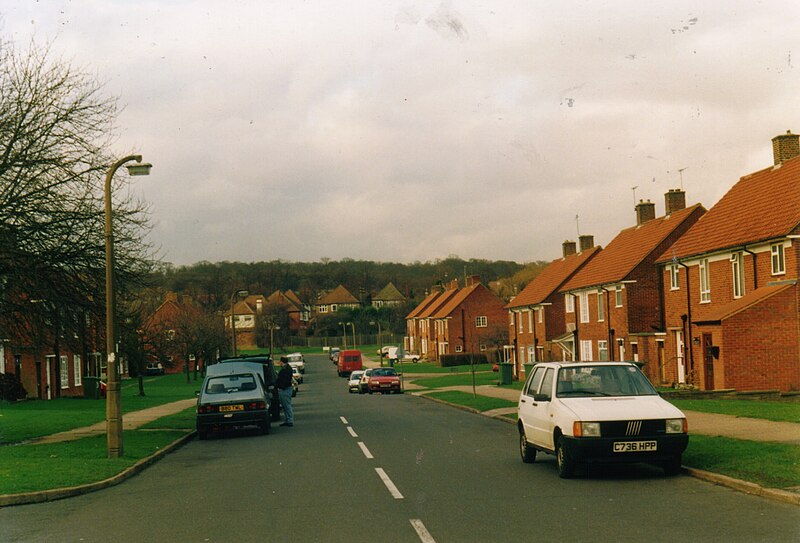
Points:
(226, 384)
(610, 380)
(384, 372)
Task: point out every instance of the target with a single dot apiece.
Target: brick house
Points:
(334, 300)
(472, 320)
(419, 324)
(160, 329)
(537, 325)
(245, 312)
(389, 296)
(411, 342)
(296, 314)
(731, 294)
(613, 304)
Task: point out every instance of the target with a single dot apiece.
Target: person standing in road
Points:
(284, 384)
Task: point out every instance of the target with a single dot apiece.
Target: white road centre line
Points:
(344, 420)
(389, 484)
(352, 432)
(423, 533)
(365, 450)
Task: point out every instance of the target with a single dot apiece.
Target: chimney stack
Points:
(586, 242)
(645, 211)
(674, 200)
(568, 248)
(785, 146)
(473, 280)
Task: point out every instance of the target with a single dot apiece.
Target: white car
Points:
(297, 375)
(598, 412)
(355, 379)
(392, 354)
(363, 382)
(296, 360)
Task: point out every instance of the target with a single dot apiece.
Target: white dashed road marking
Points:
(365, 450)
(344, 420)
(352, 432)
(389, 484)
(422, 532)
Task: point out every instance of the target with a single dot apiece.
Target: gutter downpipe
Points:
(755, 267)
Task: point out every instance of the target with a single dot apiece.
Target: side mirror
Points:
(197, 393)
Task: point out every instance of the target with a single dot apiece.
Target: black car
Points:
(270, 376)
(233, 396)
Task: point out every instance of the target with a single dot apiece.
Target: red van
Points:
(349, 361)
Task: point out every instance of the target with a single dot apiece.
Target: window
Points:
(511, 318)
(531, 355)
(530, 321)
(520, 322)
(534, 381)
(602, 349)
(547, 382)
(459, 349)
(569, 303)
(334, 307)
(481, 322)
(584, 301)
(674, 277)
(738, 275)
(778, 259)
(323, 309)
(482, 347)
(618, 295)
(586, 349)
(76, 367)
(601, 307)
(705, 288)
(64, 363)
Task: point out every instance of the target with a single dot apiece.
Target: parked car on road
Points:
(384, 380)
(362, 382)
(297, 375)
(154, 368)
(333, 353)
(233, 395)
(394, 356)
(296, 360)
(348, 362)
(355, 379)
(586, 412)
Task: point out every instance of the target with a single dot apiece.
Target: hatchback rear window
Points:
(231, 383)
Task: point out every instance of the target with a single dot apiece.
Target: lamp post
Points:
(380, 348)
(344, 336)
(354, 333)
(236, 294)
(113, 400)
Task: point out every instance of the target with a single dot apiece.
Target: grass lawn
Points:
(28, 468)
(428, 367)
(185, 420)
(778, 411)
(481, 403)
(23, 420)
(459, 379)
(773, 465)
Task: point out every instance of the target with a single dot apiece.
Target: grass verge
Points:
(428, 367)
(185, 420)
(481, 403)
(778, 464)
(458, 379)
(777, 411)
(30, 468)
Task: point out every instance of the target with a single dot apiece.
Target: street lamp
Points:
(380, 348)
(354, 334)
(236, 294)
(344, 336)
(113, 400)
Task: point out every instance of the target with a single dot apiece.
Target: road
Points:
(392, 468)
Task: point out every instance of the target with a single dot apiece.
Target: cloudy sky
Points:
(409, 130)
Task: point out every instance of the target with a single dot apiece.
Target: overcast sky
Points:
(409, 130)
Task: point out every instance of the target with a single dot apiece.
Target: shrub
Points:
(11, 388)
(461, 359)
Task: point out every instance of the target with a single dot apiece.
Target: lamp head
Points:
(139, 168)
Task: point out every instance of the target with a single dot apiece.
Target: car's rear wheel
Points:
(526, 452)
(566, 464)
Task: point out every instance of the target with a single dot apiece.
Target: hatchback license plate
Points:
(226, 408)
(634, 446)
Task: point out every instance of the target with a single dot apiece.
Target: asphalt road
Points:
(392, 468)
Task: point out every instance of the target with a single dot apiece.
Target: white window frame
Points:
(511, 318)
(459, 348)
(584, 306)
(481, 321)
(705, 287)
(540, 311)
(64, 367)
(569, 303)
(601, 308)
(674, 277)
(602, 347)
(519, 322)
(76, 369)
(482, 347)
(778, 259)
(334, 308)
(531, 354)
(530, 320)
(323, 309)
(586, 350)
(618, 296)
(737, 271)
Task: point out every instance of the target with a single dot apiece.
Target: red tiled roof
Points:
(451, 305)
(550, 278)
(423, 304)
(716, 314)
(294, 298)
(339, 295)
(628, 250)
(760, 206)
(434, 306)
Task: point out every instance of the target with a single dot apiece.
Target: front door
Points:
(708, 362)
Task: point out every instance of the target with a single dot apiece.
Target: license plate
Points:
(385, 385)
(226, 408)
(634, 446)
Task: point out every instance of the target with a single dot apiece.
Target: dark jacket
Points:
(284, 377)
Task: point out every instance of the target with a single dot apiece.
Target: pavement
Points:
(699, 423)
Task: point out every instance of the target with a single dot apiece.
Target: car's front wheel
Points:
(566, 464)
(527, 452)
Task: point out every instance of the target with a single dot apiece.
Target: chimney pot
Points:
(568, 248)
(586, 242)
(785, 147)
(645, 211)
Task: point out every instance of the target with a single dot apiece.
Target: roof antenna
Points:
(634, 194)
(578, 225)
(680, 171)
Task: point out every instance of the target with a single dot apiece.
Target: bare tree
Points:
(56, 124)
